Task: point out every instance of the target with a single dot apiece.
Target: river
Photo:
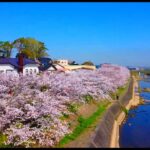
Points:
(135, 130)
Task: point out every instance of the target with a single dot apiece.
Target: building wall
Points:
(50, 69)
(58, 67)
(62, 62)
(74, 67)
(30, 69)
(8, 69)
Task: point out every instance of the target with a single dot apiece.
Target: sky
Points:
(101, 32)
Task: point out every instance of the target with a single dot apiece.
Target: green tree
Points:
(42, 50)
(19, 44)
(32, 48)
(89, 63)
(7, 47)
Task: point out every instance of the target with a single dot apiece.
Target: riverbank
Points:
(85, 138)
(145, 90)
(134, 131)
(86, 121)
(133, 102)
(107, 133)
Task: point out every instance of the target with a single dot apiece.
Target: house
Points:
(51, 67)
(72, 63)
(18, 65)
(62, 62)
(47, 64)
(76, 67)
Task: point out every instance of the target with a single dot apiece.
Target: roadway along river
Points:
(135, 131)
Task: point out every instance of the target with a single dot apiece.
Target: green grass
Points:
(125, 110)
(3, 138)
(72, 107)
(64, 116)
(84, 123)
(135, 73)
(121, 90)
(139, 89)
(88, 98)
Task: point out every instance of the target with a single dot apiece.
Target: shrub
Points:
(89, 63)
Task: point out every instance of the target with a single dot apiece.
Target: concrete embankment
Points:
(107, 133)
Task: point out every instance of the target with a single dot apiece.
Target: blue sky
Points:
(114, 32)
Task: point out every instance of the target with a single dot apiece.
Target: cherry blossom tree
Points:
(31, 106)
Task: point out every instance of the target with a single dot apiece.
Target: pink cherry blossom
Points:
(31, 106)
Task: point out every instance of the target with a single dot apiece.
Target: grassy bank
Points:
(84, 124)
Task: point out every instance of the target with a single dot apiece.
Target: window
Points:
(1, 71)
(26, 71)
(9, 71)
(30, 71)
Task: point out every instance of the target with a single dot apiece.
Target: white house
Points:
(30, 69)
(17, 65)
(8, 69)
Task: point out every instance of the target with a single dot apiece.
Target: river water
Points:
(135, 131)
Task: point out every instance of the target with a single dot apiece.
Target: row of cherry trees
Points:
(31, 107)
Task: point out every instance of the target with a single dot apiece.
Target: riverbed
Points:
(135, 130)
